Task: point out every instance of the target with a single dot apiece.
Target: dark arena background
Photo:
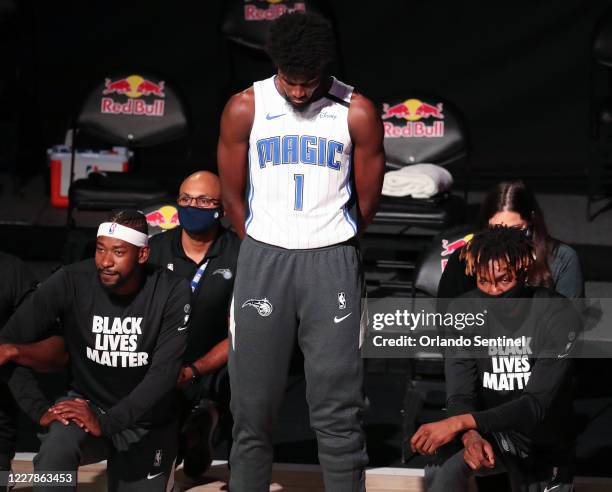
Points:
(491, 91)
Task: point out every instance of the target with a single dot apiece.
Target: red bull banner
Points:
(449, 247)
(268, 10)
(134, 88)
(413, 118)
(164, 217)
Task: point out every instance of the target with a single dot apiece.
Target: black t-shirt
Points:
(17, 282)
(527, 396)
(210, 302)
(125, 353)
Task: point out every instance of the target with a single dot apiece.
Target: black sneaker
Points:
(197, 433)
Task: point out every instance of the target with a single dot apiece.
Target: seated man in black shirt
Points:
(124, 323)
(205, 253)
(511, 408)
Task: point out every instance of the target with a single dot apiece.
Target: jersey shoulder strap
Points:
(340, 93)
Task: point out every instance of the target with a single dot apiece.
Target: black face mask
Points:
(198, 220)
(510, 307)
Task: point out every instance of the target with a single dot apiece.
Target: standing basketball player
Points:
(312, 150)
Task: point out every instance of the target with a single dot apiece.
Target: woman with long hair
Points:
(556, 264)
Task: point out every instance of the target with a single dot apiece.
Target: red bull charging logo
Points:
(448, 248)
(165, 217)
(273, 10)
(134, 87)
(413, 110)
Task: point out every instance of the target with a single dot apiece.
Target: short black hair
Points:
(130, 218)
(498, 244)
(301, 43)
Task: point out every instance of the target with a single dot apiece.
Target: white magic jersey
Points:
(300, 194)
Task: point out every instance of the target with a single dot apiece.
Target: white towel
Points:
(418, 181)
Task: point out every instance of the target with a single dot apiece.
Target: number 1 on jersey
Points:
(299, 191)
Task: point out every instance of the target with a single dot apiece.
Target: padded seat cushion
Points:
(114, 190)
(439, 211)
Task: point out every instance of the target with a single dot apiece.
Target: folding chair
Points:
(135, 111)
(418, 129)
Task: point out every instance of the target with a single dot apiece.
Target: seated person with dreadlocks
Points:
(510, 408)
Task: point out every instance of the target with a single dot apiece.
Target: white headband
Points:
(112, 229)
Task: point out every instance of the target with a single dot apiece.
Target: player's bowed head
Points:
(302, 47)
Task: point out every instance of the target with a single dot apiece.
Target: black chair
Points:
(599, 167)
(432, 261)
(424, 129)
(246, 26)
(418, 129)
(135, 111)
(248, 23)
(425, 387)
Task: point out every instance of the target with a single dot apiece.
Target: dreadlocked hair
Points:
(502, 245)
(301, 44)
(130, 218)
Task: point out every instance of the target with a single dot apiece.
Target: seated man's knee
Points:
(453, 474)
(60, 447)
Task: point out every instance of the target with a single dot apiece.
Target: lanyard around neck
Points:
(198, 275)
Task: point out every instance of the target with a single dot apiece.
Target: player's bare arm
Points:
(232, 155)
(478, 452)
(429, 437)
(366, 129)
(45, 356)
(213, 360)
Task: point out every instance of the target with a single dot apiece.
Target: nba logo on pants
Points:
(341, 300)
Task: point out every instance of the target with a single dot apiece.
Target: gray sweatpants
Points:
(454, 474)
(313, 296)
(146, 466)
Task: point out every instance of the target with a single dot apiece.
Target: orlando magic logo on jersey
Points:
(300, 190)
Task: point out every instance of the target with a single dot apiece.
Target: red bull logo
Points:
(273, 10)
(448, 248)
(134, 87)
(165, 217)
(413, 110)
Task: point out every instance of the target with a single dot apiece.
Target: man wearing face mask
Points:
(511, 409)
(205, 253)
